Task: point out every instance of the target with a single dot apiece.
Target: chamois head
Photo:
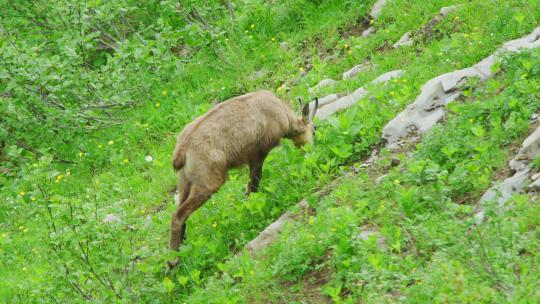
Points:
(304, 130)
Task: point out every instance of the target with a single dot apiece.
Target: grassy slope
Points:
(115, 179)
(432, 254)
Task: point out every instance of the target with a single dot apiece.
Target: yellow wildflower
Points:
(111, 142)
(24, 269)
(273, 39)
(100, 146)
(164, 93)
(157, 104)
(22, 193)
(214, 225)
(126, 161)
(33, 198)
(253, 26)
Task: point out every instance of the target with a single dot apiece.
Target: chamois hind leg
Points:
(183, 193)
(198, 195)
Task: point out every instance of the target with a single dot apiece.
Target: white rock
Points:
(368, 32)
(356, 70)
(501, 193)
(448, 9)
(257, 75)
(111, 218)
(351, 99)
(323, 83)
(405, 40)
(366, 233)
(324, 101)
(428, 108)
(270, 234)
(376, 10)
(535, 185)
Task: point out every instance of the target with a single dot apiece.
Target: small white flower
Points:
(111, 218)
(149, 158)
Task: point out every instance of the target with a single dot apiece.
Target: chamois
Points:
(241, 130)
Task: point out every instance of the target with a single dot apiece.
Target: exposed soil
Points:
(356, 29)
(308, 288)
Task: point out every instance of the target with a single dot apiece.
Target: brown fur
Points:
(239, 131)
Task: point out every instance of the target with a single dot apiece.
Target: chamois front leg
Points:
(255, 174)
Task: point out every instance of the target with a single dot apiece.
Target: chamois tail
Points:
(179, 158)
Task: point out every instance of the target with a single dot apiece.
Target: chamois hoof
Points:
(172, 264)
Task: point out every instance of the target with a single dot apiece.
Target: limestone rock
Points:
(368, 32)
(351, 99)
(111, 218)
(356, 70)
(270, 234)
(323, 83)
(376, 10)
(521, 163)
(428, 108)
(405, 40)
(325, 101)
(366, 233)
(257, 75)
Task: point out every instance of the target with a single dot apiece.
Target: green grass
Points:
(55, 246)
(432, 255)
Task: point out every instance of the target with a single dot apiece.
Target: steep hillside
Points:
(93, 95)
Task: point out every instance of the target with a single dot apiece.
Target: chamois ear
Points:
(305, 109)
(312, 116)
